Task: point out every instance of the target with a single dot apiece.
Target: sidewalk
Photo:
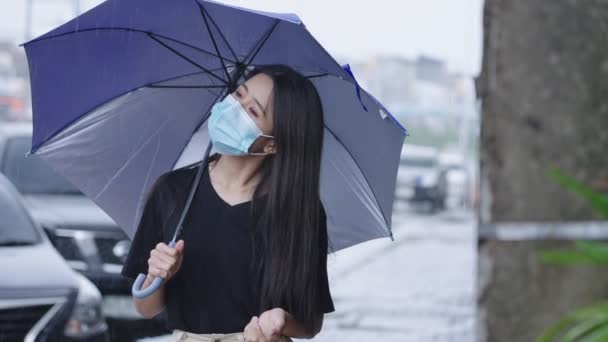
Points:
(418, 288)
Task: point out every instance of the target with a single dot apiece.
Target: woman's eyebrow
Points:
(256, 100)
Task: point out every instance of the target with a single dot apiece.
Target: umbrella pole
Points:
(193, 188)
(137, 290)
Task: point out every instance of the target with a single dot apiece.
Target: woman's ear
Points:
(269, 148)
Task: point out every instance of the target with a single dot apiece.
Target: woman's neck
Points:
(237, 171)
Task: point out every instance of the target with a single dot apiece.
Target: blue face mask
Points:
(231, 129)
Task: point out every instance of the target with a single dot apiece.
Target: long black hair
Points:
(286, 251)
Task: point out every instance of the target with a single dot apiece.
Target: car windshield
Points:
(31, 175)
(418, 162)
(16, 228)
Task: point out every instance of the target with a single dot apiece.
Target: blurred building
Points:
(424, 84)
(390, 79)
(438, 107)
(14, 94)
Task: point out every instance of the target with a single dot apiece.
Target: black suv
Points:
(88, 239)
(41, 298)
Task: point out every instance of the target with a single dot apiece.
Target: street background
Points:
(420, 59)
(418, 288)
(499, 224)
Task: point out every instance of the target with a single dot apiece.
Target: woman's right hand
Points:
(253, 332)
(165, 261)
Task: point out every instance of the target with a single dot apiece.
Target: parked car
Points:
(418, 177)
(41, 297)
(455, 179)
(87, 238)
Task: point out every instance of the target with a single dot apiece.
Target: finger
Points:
(158, 272)
(154, 271)
(266, 327)
(278, 325)
(161, 264)
(162, 256)
(253, 331)
(167, 250)
(255, 325)
(272, 325)
(249, 334)
(275, 331)
(151, 271)
(179, 246)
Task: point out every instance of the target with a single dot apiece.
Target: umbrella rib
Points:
(36, 147)
(151, 35)
(318, 75)
(363, 174)
(185, 86)
(128, 161)
(217, 50)
(259, 45)
(180, 76)
(128, 30)
(221, 33)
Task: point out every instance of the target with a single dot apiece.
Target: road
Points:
(419, 287)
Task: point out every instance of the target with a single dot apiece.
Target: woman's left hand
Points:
(272, 323)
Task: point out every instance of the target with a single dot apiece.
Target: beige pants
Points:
(180, 335)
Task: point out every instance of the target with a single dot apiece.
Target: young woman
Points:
(250, 263)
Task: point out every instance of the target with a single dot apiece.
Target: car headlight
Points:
(87, 318)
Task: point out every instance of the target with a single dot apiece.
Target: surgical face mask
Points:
(231, 129)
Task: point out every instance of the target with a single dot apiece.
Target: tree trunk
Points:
(544, 91)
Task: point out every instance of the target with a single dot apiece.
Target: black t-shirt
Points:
(213, 292)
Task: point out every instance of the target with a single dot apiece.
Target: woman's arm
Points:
(164, 262)
(277, 322)
(153, 304)
(293, 328)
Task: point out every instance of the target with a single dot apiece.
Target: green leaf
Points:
(587, 320)
(567, 257)
(598, 201)
(594, 310)
(586, 327)
(595, 250)
(555, 330)
(584, 253)
(599, 335)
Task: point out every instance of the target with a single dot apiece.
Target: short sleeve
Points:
(326, 303)
(147, 235)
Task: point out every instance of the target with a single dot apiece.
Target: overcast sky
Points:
(446, 29)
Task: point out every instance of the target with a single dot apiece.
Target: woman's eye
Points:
(253, 112)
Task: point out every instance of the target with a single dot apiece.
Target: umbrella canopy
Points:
(121, 95)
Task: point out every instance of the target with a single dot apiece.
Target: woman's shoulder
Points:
(172, 182)
(180, 176)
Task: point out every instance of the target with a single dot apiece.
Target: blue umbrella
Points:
(121, 94)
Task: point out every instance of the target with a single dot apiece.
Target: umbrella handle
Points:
(136, 290)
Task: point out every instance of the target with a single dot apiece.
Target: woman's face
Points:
(255, 95)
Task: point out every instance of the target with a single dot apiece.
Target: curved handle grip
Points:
(136, 290)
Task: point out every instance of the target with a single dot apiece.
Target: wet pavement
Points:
(419, 287)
